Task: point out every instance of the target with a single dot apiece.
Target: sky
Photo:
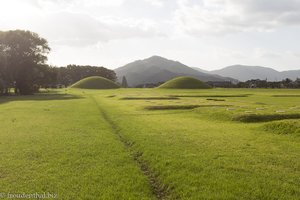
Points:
(209, 34)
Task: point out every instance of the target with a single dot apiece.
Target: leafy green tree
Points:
(124, 82)
(26, 52)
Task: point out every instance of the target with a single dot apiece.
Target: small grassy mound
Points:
(184, 83)
(95, 82)
(284, 127)
(250, 118)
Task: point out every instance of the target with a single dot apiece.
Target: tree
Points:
(124, 82)
(2, 87)
(297, 83)
(3, 69)
(287, 83)
(26, 53)
(47, 76)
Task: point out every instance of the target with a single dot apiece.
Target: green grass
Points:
(95, 82)
(81, 144)
(184, 83)
(64, 147)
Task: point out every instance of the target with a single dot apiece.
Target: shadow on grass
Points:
(180, 107)
(212, 96)
(253, 118)
(43, 96)
(149, 98)
(286, 95)
(215, 99)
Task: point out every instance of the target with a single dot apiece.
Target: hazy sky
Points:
(209, 34)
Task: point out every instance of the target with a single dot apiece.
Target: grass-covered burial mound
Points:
(95, 82)
(184, 82)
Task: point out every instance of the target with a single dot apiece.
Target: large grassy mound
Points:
(95, 82)
(184, 82)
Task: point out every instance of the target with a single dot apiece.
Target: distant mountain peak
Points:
(156, 58)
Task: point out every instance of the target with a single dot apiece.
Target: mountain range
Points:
(158, 69)
(244, 73)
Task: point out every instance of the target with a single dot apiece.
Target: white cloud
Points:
(62, 26)
(74, 29)
(267, 54)
(227, 16)
(114, 32)
(101, 3)
(89, 3)
(158, 3)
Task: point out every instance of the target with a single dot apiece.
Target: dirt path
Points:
(159, 189)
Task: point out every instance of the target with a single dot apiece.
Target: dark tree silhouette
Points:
(3, 70)
(73, 73)
(25, 53)
(47, 76)
(124, 82)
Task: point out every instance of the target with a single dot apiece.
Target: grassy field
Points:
(152, 144)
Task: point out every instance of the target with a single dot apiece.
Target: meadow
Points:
(152, 144)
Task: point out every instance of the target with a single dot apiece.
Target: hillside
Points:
(244, 73)
(292, 74)
(158, 69)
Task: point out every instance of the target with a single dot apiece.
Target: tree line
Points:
(257, 83)
(23, 68)
(66, 76)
